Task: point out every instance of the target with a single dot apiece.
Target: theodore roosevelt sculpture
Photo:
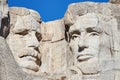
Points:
(24, 38)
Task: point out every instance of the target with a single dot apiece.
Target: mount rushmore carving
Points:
(83, 45)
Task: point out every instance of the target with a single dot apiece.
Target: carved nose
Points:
(32, 41)
(82, 45)
(81, 48)
(36, 48)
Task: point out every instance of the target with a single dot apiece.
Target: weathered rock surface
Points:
(24, 38)
(53, 30)
(115, 1)
(87, 22)
(54, 48)
(9, 69)
(84, 45)
(4, 19)
(79, 9)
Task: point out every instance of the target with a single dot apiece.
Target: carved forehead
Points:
(95, 21)
(85, 21)
(24, 19)
(26, 23)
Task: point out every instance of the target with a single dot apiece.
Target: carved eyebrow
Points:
(75, 32)
(24, 32)
(94, 29)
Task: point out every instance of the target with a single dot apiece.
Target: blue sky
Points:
(48, 9)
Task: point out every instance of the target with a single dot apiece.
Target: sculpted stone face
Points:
(90, 41)
(24, 40)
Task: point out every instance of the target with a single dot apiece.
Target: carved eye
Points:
(23, 33)
(39, 36)
(94, 34)
(74, 36)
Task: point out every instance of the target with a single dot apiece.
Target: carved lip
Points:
(30, 56)
(84, 57)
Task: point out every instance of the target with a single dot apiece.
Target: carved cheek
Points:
(74, 44)
(105, 41)
(93, 42)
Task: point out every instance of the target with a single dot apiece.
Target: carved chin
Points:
(90, 66)
(28, 63)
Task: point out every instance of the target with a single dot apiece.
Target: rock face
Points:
(83, 45)
(94, 39)
(54, 48)
(24, 38)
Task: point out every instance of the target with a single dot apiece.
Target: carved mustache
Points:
(30, 52)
